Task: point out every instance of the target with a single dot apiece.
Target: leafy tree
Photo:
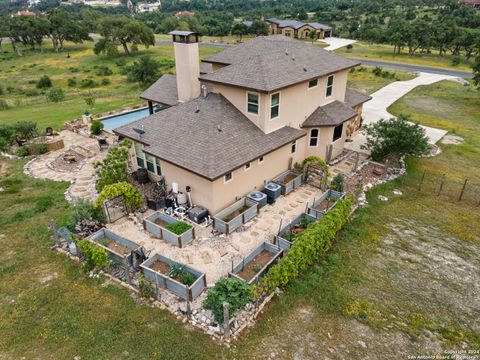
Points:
(124, 31)
(4, 30)
(63, 28)
(312, 35)
(476, 71)
(144, 71)
(240, 29)
(131, 196)
(395, 137)
(259, 27)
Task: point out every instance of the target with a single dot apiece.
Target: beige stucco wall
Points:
(296, 102)
(216, 195)
(325, 137)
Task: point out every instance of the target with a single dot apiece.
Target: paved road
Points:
(425, 69)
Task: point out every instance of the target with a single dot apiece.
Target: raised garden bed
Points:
(324, 203)
(286, 235)
(160, 269)
(117, 247)
(234, 216)
(257, 263)
(165, 227)
(289, 180)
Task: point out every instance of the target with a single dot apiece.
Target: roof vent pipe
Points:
(219, 128)
(293, 57)
(197, 110)
(286, 51)
(304, 68)
(204, 90)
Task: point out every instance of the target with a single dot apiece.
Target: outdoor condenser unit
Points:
(197, 214)
(273, 192)
(259, 197)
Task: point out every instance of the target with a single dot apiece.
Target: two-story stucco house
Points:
(243, 117)
(297, 29)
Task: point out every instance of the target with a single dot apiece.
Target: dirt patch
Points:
(161, 267)
(450, 139)
(289, 177)
(326, 204)
(253, 267)
(112, 245)
(68, 161)
(234, 214)
(160, 222)
(44, 279)
(3, 168)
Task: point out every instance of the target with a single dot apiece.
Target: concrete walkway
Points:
(376, 109)
(336, 43)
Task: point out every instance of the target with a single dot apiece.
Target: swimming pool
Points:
(115, 121)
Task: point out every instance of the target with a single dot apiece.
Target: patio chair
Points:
(102, 144)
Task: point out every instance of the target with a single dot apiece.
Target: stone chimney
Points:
(187, 64)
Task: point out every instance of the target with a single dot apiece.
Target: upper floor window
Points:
(247, 166)
(337, 132)
(228, 177)
(294, 147)
(274, 105)
(330, 85)
(252, 103)
(313, 137)
(260, 160)
(312, 83)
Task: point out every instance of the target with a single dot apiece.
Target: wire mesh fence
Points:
(454, 189)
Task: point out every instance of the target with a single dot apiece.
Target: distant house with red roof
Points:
(473, 3)
(24, 13)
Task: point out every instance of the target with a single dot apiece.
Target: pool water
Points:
(115, 121)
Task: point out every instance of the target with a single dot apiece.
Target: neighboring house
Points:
(148, 7)
(473, 3)
(23, 13)
(297, 29)
(185, 13)
(244, 116)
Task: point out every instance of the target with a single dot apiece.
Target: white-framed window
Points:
(329, 86)
(248, 166)
(150, 163)
(294, 147)
(158, 167)
(252, 103)
(274, 105)
(228, 177)
(260, 160)
(313, 142)
(139, 155)
(337, 132)
(313, 83)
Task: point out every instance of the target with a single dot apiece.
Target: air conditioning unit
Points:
(259, 197)
(273, 192)
(197, 214)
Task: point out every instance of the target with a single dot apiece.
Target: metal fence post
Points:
(421, 181)
(441, 185)
(463, 190)
(226, 320)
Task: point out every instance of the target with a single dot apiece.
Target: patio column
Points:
(150, 107)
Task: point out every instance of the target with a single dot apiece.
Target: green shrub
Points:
(121, 62)
(31, 92)
(349, 47)
(39, 149)
(377, 71)
(22, 151)
(95, 257)
(114, 168)
(131, 196)
(233, 291)
(308, 248)
(1, 90)
(56, 95)
(88, 83)
(44, 82)
(187, 278)
(4, 144)
(456, 61)
(337, 182)
(178, 228)
(74, 69)
(25, 129)
(72, 82)
(84, 210)
(96, 127)
(105, 82)
(104, 71)
(146, 290)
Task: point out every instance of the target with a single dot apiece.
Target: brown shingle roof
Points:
(163, 91)
(192, 140)
(332, 114)
(269, 63)
(354, 98)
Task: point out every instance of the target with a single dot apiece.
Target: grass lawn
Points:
(365, 81)
(384, 52)
(19, 74)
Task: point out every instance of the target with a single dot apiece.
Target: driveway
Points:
(376, 109)
(336, 43)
